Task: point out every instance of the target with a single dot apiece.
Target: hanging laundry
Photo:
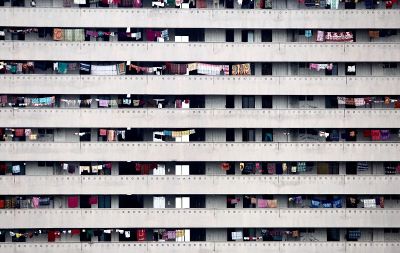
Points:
(339, 37)
(237, 235)
(93, 200)
(272, 203)
(141, 234)
(58, 34)
(16, 169)
(102, 132)
(376, 135)
(362, 166)
(262, 203)
(320, 36)
(241, 69)
(271, 167)
(111, 135)
(385, 135)
(73, 201)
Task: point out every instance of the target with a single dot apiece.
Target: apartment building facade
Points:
(199, 126)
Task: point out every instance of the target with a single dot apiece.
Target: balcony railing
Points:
(200, 151)
(203, 247)
(200, 18)
(200, 51)
(199, 184)
(199, 218)
(200, 118)
(200, 85)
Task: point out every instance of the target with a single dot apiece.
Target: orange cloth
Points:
(58, 34)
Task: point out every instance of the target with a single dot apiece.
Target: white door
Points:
(185, 170)
(159, 202)
(182, 170)
(160, 170)
(178, 202)
(178, 170)
(185, 202)
(187, 235)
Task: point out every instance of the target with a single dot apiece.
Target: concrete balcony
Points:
(195, 184)
(199, 18)
(200, 151)
(203, 247)
(199, 118)
(200, 51)
(198, 218)
(200, 85)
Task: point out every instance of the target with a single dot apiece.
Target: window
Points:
(85, 101)
(248, 102)
(249, 134)
(266, 101)
(229, 35)
(267, 134)
(104, 201)
(230, 101)
(333, 234)
(303, 65)
(45, 131)
(350, 69)
(266, 35)
(247, 35)
(84, 134)
(266, 69)
(351, 168)
(306, 98)
(390, 65)
(45, 164)
(230, 134)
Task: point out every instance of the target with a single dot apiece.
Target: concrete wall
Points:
(200, 118)
(205, 184)
(202, 18)
(198, 151)
(199, 218)
(212, 52)
(267, 85)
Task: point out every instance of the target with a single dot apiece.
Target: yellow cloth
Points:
(192, 66)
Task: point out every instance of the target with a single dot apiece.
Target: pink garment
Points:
(35, 202)
(93, 200)
(262, 203)
(103, 103)
(73, 201)
(320, 36)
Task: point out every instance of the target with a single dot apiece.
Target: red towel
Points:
(19, 132)
(376, 135)
(51, 236)
(73, 201)
(141, 234)
(93, 200)
(103, 132)
(367, 133)
(75, 231)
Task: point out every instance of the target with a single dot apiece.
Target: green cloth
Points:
(171, 3)
(79, 35)
(268, 4)
(62, 67)
(68, 35)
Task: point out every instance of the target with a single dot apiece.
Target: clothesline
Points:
(361, 101)
(323, 36)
